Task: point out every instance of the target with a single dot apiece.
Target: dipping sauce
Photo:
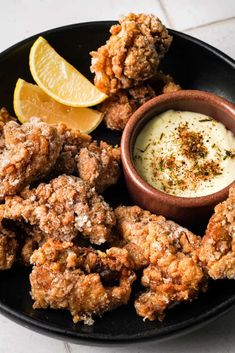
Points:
(185, 154)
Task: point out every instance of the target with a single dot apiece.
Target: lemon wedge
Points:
(59, 79)
(30, 101)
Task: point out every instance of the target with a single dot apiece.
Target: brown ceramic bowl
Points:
(183, 209)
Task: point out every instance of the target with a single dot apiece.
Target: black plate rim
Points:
(81, 338)
(199, 42)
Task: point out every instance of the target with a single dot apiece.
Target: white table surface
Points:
(213, 21)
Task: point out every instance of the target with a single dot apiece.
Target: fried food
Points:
(147, 236)
(175, 278)
(134, 226)
(73, 141)
(5, 117)
(63, 209)
(164, 83)
(30, 152)
(132, 53)
(217, 251)
(32, 237)
(82, 280)
(98, 165)
(8, 244)
(170, 251)
(119, 107)
(8, 248)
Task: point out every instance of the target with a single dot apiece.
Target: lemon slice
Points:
(30, 100)
(59, 79)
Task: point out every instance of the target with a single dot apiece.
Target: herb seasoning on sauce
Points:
(185, 154)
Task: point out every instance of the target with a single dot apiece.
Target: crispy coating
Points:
(147, 236)
(8, 244)
(135, 227)
(119, 107)
(217, 251)
(98, 165)
(8, 248)
(73, 141)
(32, 237)
(175, 278)
(82, 280)
(5, 117)
(170, 251)
(132, 53)
(164, 83)
(30, 151)
(63, 209)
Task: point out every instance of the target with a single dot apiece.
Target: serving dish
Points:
(194, 65)
(186, 210)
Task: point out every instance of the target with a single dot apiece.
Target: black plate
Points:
(194, 65)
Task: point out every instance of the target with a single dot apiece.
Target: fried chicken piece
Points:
(32, 238)
(119, 107)
(30, 152)
(82, 280)
(95, 163)
(132, 53)
(98, 165)
(164, 83)
(170, 251)
(5, 117)
(175, 278)
(217, 251)
(134, 226)
(73, 141)
(8, 244)
(147, 236)
(8, 248)
(63, 209)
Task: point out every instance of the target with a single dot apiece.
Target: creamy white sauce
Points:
(185, 154)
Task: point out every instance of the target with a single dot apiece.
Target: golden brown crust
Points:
(119, 107)
(8, 249)
(8, 244)
(63, 209)
(98, 165)
(29, 153)
(135, 226)
(132, 53)
(31, 238)
(217, 250)
(82, 280)
(5, 117)
(171, 253)
(174, 278)
(73, 141)
(164, 83)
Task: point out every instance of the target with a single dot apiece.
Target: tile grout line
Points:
(209, 24)
(67, 348)
(165, 12)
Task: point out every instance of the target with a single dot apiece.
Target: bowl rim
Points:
(132, 126)
(45, 328)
